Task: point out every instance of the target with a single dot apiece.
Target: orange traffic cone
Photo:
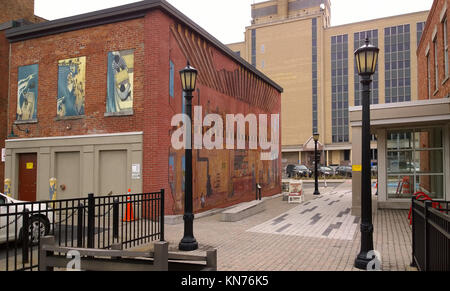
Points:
(129, 213)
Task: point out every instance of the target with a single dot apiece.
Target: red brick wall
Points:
(153, 108)
(161, 47)
(156, 140)
(427, 41)
(16, 9)
(4, 61)
(94, 43)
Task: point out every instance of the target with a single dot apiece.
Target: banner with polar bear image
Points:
(71, 87)
(27, 93)
(120, 81)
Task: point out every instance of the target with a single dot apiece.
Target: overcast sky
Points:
(226, 19)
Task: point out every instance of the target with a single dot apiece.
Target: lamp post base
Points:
(317, 193)
(188, 245)
(362, 261)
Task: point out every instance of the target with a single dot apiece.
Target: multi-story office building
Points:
(293, 42)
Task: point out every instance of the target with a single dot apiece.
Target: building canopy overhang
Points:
(404, 114)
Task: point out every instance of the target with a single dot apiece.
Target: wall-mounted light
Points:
(13, 135)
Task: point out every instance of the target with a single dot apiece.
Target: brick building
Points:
(414, 137)
(14, 13)
(432, 54)
(94, 96)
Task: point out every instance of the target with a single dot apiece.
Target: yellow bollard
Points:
(8, 187)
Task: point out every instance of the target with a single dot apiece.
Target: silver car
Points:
(11, 220)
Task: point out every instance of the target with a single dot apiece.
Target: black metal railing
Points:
(93, 222)
(431, 235)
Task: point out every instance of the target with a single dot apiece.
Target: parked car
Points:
(39, 223)
(294, 171)
(326, 171)
(334, 168)
(308, 171)
(345, 171)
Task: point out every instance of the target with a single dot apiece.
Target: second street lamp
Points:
(316, 137)
(366, 62)
(188, 243)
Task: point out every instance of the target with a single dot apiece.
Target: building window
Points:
(263, 49)
(429, 75)
(415, 163)
(254, 47)
(315, 77)
(436, 65)
(238, 53)
(339, 84)
(359, 40)
(444, 24)
(347, 155)
(172, 80)
(397, 42)
(420, 28)
(263, 64)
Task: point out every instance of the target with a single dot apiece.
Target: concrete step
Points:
(243, 211)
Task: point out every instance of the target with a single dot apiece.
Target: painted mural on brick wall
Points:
(28, 80)
(221, 176)
(71, 87)
(120, 81)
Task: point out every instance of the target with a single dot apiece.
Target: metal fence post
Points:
(413, 263)
(25, 235)
(162, 215)
(80, 225)
(427, 237)
(116, 219)
(91, 221)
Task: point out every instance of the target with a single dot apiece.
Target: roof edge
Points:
(123, 13)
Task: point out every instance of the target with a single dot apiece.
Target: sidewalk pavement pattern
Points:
(318, 235)
(325, 217)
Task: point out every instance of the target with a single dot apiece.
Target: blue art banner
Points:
(120, 81)
(71, 87)
(27, 92)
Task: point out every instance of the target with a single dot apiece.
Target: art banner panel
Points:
(120, 81)
(71, 87)
(27, 92)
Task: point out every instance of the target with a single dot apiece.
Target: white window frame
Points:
(436, 64)
(444, 32)
(414, 150)
(428, 74)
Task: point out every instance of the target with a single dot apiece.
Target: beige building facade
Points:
(293, 43)
(106, 163)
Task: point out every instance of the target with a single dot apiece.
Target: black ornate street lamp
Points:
(316, 137)
(188, 82)
(366, 62)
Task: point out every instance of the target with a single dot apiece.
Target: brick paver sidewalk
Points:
(318, 235)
